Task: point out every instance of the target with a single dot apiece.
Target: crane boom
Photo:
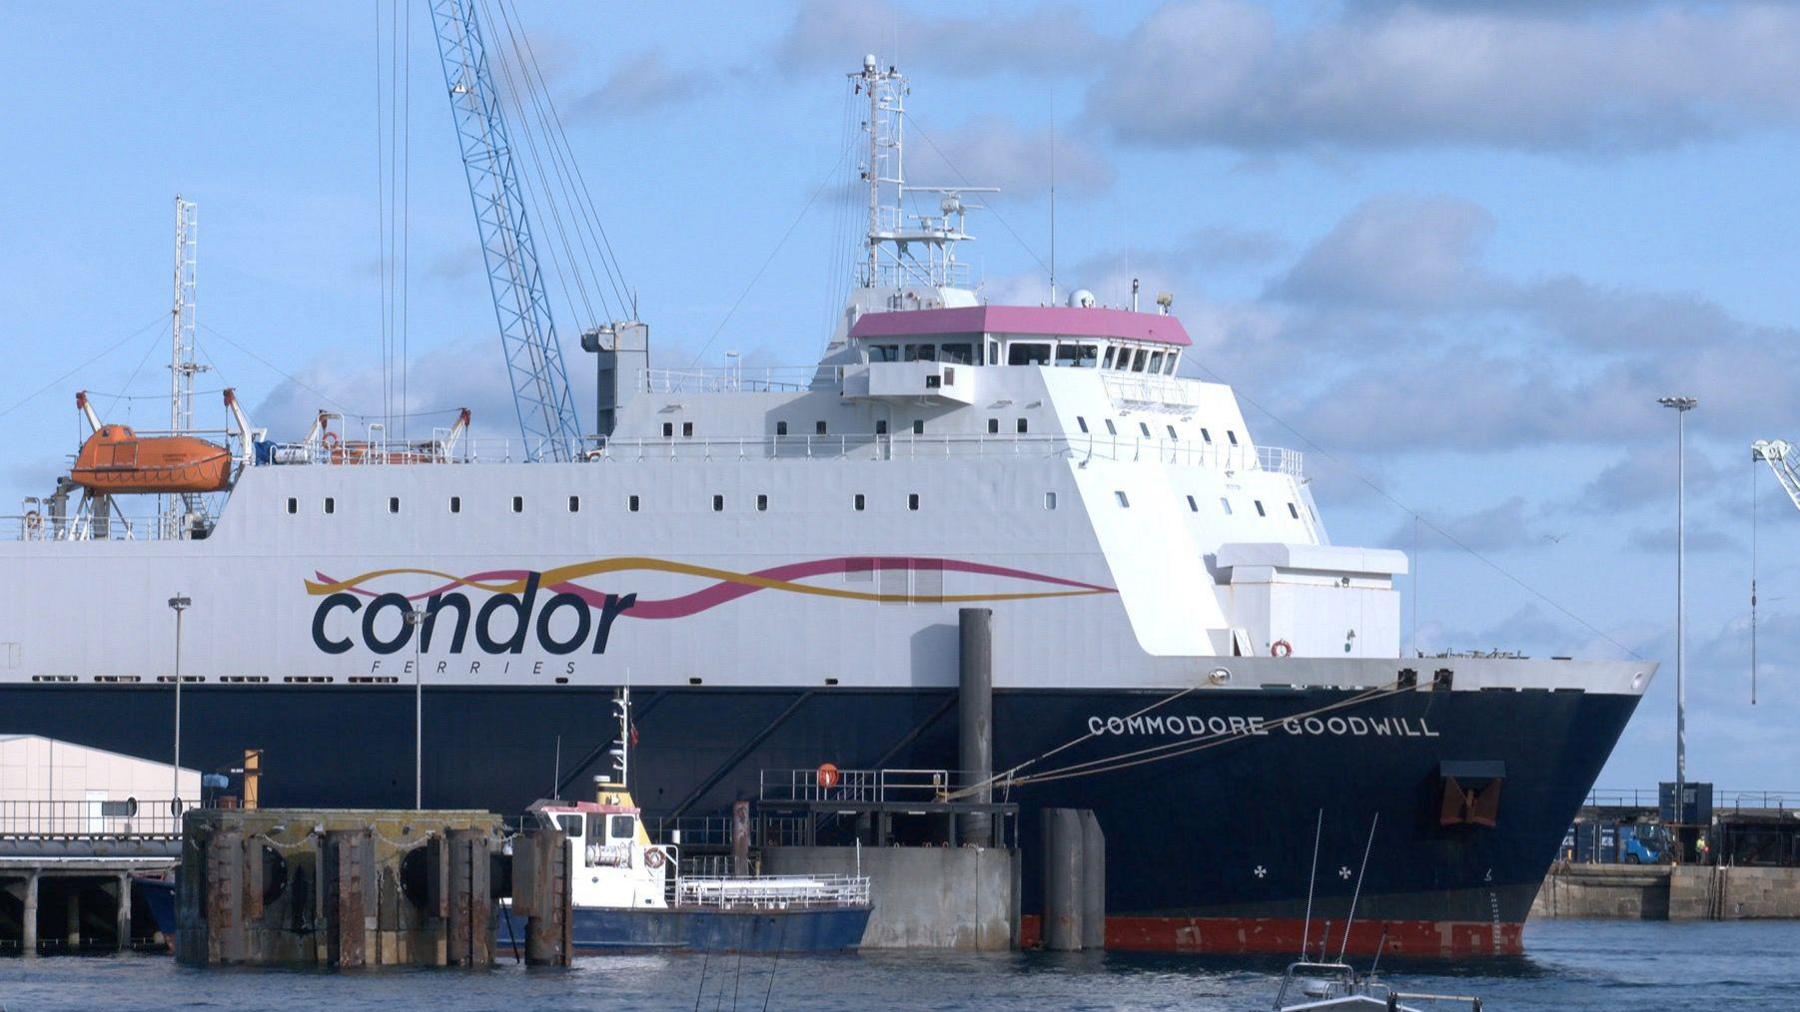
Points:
(534, 363)
(1778, 454)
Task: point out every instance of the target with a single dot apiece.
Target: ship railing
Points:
(883, 786)
(773, 891)
(737, 379)
(833, 446)
(127, 819)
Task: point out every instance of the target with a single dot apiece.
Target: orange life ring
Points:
(828, 775)
(653, 859)
(1281, 648)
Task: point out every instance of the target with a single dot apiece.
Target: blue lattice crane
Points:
(534, 362)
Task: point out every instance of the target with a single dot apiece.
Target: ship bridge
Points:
(915, 353)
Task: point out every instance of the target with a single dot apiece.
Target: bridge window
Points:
(393, 504)
(718, 504)
(1293, 511)
(1156, 358)
(1081, 423)
(993, 426)
(819, 427)
(1225, 504)
(762, 502)
(1144, 427)
(884, 353)
(687, 428)
(918, 426)
(668, 430)
(1111, 430)
(1137, 360)
(1170, 362)
(1172, 434)
(1049, 500)
(456, 504)
(1124, 502)
(1205, 436)
(1027, 353)
(881, 426)
(1022, 425)
(1193, 507)
(631, 503)
(912, 502)
(961, 354)
(1107, 362)
(330, 505)
(781, 428)
(921, 353)
(1231, 436)
(993, 353)
(1079, 356)
(1259, 508)
(293, 505)
(574, 504)
(518, 504)
(860, 502)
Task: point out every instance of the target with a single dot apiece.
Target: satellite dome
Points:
(1081, 298)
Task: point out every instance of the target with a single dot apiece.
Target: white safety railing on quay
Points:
(773, 891)
(1723, 799)
(130, 818)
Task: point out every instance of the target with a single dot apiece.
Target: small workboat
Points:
(1337, 986)
(630, 894)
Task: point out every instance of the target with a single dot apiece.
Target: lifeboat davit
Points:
(115, 461)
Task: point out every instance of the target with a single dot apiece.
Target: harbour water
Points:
(1573, 966)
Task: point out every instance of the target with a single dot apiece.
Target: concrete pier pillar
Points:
(975, 716)
(1093, 882)
(1063, 862)
(28, 944)
(72, 904)
(122, 915)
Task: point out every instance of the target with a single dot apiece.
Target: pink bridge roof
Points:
(1052, 321)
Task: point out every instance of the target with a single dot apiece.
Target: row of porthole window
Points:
(1144, 427)
(1124, 502)
(632, 503)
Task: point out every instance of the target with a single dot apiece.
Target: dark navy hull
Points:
(1210, 850)
(694, 929)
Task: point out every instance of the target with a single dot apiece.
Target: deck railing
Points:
(773, 891)
(884, 786)
(68, 819)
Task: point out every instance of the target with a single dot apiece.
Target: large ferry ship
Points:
(774, 560)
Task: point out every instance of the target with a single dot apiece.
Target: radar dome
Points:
(1081, 298)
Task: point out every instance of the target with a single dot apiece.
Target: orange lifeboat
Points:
(115, 461)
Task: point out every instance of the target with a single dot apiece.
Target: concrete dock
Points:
(1669, 893)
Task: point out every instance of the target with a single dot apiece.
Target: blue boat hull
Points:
(699, 929)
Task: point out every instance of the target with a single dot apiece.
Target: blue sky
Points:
(1454, 250)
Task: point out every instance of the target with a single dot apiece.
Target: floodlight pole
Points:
(1682, 406)
(179, 603)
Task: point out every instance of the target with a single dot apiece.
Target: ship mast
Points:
(182, 367)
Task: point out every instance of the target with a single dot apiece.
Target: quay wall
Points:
(922, 897)
(1661, 892)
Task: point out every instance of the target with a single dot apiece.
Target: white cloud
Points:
(1403, 251)
(988, 151)
(643, 84)
(1224, 72)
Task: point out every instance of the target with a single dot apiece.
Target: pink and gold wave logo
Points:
(727, 585)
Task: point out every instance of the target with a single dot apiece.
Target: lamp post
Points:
(1682, 406)
(416, 618)
(178, 604)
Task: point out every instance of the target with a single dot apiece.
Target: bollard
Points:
(1093, 881)
(975, 717)
(1062, 879)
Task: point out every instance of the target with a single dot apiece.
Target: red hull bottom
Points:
(1279, 936)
